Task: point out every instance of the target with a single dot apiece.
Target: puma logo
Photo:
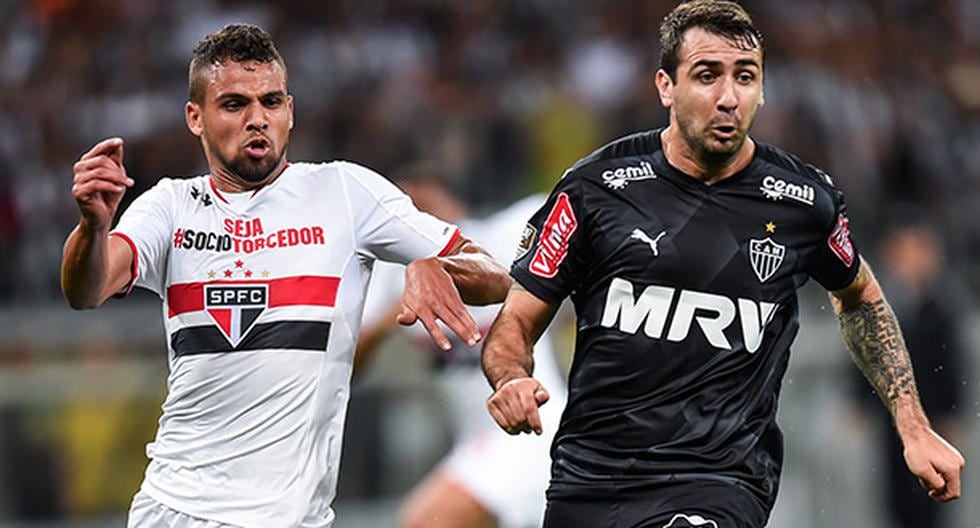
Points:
(645, 238)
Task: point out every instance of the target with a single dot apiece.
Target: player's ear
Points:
(665, 88)
(192, 114)
(289, 103)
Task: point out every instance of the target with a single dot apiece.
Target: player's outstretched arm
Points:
(94, 265)
(508, 362)
(437, 287)
(875, 340)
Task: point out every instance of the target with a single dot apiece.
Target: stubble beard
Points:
(707, 148)
(249, 169)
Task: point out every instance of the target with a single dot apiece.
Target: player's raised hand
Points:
(430, 295)
(514, 405)
(100, 182)
(936, 463)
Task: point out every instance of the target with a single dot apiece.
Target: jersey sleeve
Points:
(387, 226)
(147, 226)
(553, 252)
(835, 260)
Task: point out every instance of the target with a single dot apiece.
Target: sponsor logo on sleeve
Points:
(840, 241)
(690, 521)
(553, 242)
(527, 240)
(620, 177)
(776, 189)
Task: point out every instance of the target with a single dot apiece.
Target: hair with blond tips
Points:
(721, 17)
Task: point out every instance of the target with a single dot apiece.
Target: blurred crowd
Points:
(502, 94)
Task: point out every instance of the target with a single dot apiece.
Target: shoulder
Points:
(786, 165)
(622, 153)
(178, 188)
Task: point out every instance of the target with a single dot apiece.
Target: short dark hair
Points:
(235, 42)
(721, 17)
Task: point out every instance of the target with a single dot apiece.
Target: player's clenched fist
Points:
(515, 404)
(100, 182)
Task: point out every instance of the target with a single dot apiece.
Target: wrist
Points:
(92, 227)
(910, 420)
(509, 378)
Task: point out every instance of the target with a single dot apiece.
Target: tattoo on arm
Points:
(875, 340)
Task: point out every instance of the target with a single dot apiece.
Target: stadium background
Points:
(502, 96)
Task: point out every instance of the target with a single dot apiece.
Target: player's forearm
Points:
(873, 335)
(480, 279)
(507, 351)
(84, 266)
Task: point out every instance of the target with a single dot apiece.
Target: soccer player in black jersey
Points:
(682, 249)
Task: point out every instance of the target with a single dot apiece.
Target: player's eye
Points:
(232, 105)
(272, 102)
(745, 77)
(706, 77)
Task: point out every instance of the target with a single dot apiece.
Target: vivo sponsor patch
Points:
(776, 189)
(840, 241)
(553, 242)
(766, 256)
(620, 177)
(690, 521)
(527, 240)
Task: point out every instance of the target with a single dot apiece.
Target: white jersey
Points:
(507, 474)
(262, 298)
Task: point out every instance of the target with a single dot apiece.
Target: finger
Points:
(116, 155)
(406, 317)
(497, 415)
(530, 409)
(459, 320)
(952, 485)
(542, 396)
(101, 167)
(95, 186)
(435, 332)
(930, 479)
(498, 409)
(104, 148)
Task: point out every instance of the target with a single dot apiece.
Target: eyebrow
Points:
(715, 64)
(237, 95)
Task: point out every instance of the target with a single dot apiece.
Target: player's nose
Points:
(727, 96)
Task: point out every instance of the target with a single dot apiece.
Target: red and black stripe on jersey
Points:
(313, 291)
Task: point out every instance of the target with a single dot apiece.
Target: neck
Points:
(709, 171)
(229, 182)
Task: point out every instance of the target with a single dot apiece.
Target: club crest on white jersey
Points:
(235, 307)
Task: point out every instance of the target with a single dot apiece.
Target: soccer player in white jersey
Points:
(262, 267)
(489, 477)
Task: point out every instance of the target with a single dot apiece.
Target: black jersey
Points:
(685, 297)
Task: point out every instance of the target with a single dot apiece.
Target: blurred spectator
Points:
(487, 89)
(911, 257)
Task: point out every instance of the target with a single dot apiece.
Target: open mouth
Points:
(724, 131)
(257, 148)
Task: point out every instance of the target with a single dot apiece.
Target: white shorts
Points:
(145, 512)
(506, 474)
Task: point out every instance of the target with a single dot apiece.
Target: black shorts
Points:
(680, 505)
